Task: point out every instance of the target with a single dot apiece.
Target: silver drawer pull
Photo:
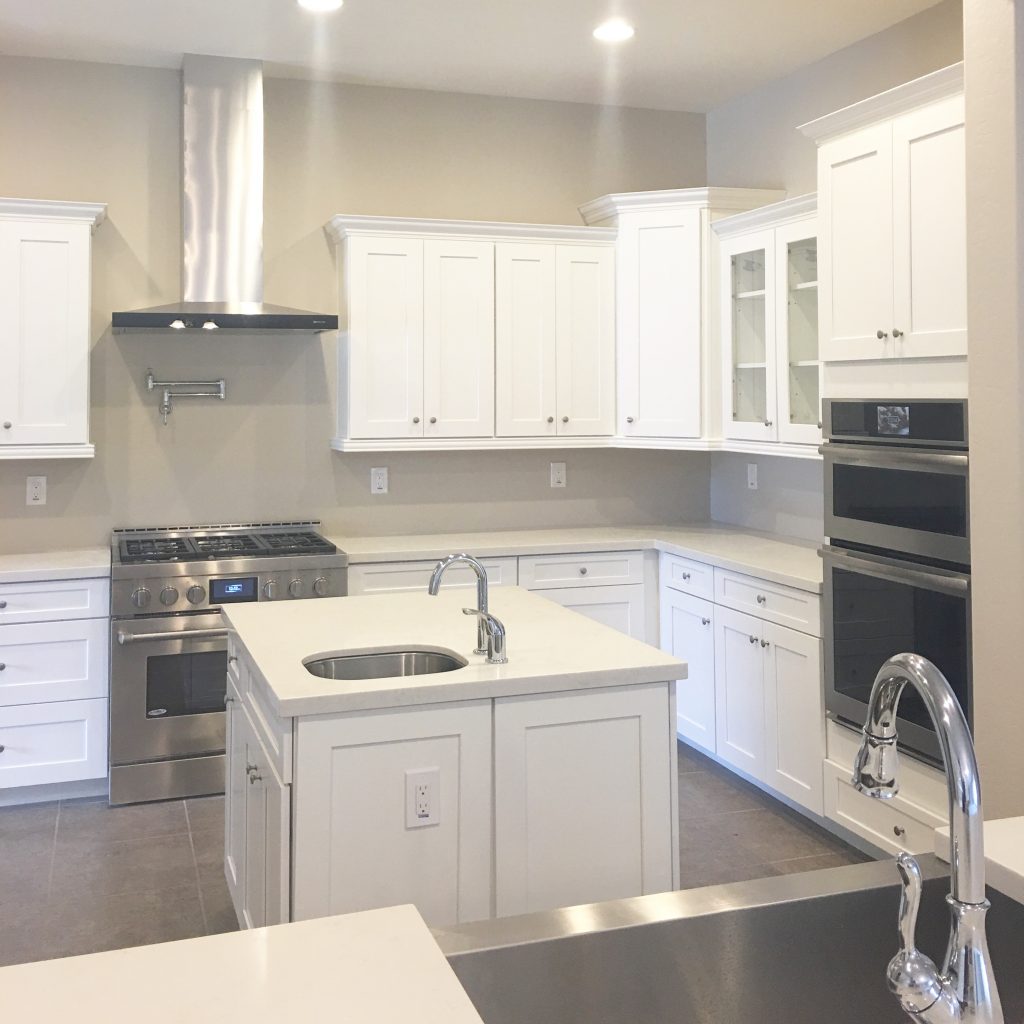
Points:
(899, 831)
(3, 604)
(629, 419)
(766, 643)
(3, 665)
(686, 575)
(254, 778)
(761, 599)
(232, 659)
(583, 571)
(705, 622)
(2, 748)
(753, 639)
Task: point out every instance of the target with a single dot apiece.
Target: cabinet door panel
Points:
(620, 607)
(236, 783)
(48, 661)
(62, 741)
(44, 332)
(794, 715)
(687, 632)
(255, 877)
(856, 247)
(585, 340)
(385, 337)
(930, 235)
(525, 340)
(458, 339)
(583, 799)
(739, 691)
(659, 324)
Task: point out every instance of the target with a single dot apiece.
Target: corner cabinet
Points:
(768, 282)
(892, 199)
(460, 335)
(45, 284)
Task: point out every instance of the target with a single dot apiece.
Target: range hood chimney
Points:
(222, 211)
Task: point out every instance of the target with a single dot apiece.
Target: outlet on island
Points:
(422, 797)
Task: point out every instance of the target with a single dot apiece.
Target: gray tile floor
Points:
(80, 877)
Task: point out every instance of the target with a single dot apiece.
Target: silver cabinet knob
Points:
(899, 831)
(551, 419)
(705, 622)
(2, 748)
(766, 643)
(3, 665)
(141, 597)
(415, 419)
(881, 335)
(295, 588)
(254, 778)
(583, 570)
(897, 333)
(250, 768)
(232, 659)
(565, 419)
(686, 575)
(629, 419)
(195, 594)
(761, 599)
(270, 589)
(433, 419)
(3, 604)
(168, 595)
(228, 699)
(767, 423)
(753, 639)
(7, 424)
(320, 586)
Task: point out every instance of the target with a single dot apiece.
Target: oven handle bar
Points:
(945, 582)
(124, 638)
(855, 455)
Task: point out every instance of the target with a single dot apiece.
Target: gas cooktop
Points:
(198, 544)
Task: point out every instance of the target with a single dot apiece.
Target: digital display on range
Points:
(233, 591)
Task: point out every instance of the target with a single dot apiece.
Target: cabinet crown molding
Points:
(938, 85)
(50, 209)
(343, 226)
(607, 208)
(771, 216)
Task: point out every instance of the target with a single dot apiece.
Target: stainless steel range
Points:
(168, 665)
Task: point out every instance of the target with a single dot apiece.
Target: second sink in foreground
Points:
(384, 665)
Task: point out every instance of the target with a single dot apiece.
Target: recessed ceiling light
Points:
(615, 30)
(321, 6)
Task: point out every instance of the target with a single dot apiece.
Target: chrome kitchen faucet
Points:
(490, 633)
(965, 989)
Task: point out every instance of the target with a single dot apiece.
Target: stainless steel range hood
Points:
(222, 211)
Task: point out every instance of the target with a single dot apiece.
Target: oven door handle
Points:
(893, 458)
(945, 582)
(124, 638)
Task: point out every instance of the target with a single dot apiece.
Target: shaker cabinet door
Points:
(687, 632)
(739, 691)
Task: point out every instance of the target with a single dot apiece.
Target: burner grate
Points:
(213, 545)
(299, 542)
(154, 549)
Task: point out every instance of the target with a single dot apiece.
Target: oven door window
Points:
(873, 619)
(185, 684)
(914, 500)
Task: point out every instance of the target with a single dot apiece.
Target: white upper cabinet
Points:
(891, 185)
(768, 309)
(663, 263)
(462, 335)
(45, 252)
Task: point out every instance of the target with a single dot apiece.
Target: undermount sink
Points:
(384, 665)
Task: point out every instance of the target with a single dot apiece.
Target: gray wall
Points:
(752, 140)
(111, 134)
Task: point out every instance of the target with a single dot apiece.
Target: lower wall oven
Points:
(877, 606)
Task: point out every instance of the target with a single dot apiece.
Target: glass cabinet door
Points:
(748, 318)
(800, 367)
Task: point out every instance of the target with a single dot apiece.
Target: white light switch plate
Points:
(557, 474)
(422, 797)
(35, 490)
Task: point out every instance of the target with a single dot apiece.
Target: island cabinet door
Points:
(583, 794)
(360, 841)
(234, 801)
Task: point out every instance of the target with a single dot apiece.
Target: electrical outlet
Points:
(422, 797)
(379, 480)
(557, 474)
(752, 476)
(35, 490)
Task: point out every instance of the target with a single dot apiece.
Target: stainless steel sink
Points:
(795, 949)
(384, 665)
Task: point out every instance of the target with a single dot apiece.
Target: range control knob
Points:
(168, 595)
(320, 586)
(141, 597)
(295, 588)
(270, 589)
(196, 594)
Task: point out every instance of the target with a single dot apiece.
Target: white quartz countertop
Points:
(377, 967)
(77, 564)
(784, 560)
(1004, 854)
(550, 649)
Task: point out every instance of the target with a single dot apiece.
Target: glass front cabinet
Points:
(769, 318)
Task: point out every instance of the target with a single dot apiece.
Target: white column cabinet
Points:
(687, 632)
(891, 187)
(45, 253)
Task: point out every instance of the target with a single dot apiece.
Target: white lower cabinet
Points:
(393, 577)
(687, 632)
(582, 785)
(739, 691)
(622, 608)
(61, 741)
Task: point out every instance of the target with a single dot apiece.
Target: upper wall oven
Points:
(896, 477)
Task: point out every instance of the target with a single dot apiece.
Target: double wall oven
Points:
(897, 565)
(169, 642)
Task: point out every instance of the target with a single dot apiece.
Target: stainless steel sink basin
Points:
(795, 949)
(385, 665)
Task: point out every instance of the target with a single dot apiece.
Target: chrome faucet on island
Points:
(965, 989)
(490, 633)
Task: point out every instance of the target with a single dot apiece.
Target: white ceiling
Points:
(686, 55)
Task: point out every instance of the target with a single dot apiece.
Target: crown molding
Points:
(607, 208)
(938, 85)
(55, 210)
(772, 216)
(343, 226)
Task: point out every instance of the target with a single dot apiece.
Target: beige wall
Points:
(752, 140)
(111, 134)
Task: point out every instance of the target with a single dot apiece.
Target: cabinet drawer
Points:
(687, 576)
(53, 661)
(892, 825)
(602, 568)
(59, 742)
(786, 606)
(51, 600)
(394, 577)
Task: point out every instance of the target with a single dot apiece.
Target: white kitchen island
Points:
(484, 791)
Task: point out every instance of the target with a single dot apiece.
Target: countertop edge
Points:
(70, 564)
